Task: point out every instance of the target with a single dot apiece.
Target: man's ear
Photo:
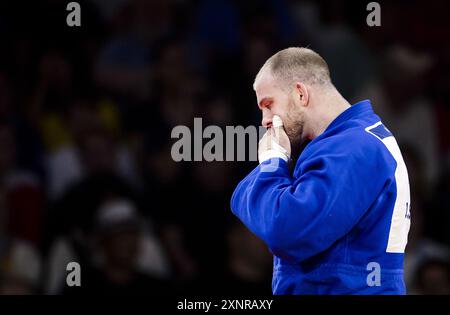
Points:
(302, 93)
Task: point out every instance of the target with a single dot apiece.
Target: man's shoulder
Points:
(362, 143)
(355, 137)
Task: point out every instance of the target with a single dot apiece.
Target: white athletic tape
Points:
(267, 155)
(276, 121)
(276, 146)
(276, 151)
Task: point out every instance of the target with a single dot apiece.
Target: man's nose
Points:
(266, 122)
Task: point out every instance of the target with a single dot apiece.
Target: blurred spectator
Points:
(71, 221)
(53, 88)
(248, 264)
(124, 64)
(343, 49)
(20, 268)
(425, 239)
(23, 199)
(216, 31)
(405, 108)
(27, 148)
(93, 150)
(118, 240)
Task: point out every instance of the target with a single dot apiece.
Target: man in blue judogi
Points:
(339, 223)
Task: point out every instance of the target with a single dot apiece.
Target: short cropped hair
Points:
(297, 64)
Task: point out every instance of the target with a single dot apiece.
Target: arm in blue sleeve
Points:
(300, 217)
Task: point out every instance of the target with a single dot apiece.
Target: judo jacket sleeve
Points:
(332, 187)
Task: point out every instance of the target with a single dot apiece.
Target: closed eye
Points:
(266, 103)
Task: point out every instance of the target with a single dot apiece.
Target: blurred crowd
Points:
(86, 113)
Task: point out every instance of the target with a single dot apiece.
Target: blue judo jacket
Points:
(339, 224)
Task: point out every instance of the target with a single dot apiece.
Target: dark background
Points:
(86, 114)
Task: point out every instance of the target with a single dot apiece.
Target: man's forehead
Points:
(263, 79)
(264, 86)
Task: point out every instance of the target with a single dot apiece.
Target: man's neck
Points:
(333, 104)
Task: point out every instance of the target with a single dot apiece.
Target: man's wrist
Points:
(269, 154)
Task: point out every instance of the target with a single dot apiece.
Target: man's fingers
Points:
(269, 138)
(266, 140)
(275, 142)
(276, 121)
(277, 126)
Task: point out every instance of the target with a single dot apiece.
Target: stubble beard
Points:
(294, 127)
